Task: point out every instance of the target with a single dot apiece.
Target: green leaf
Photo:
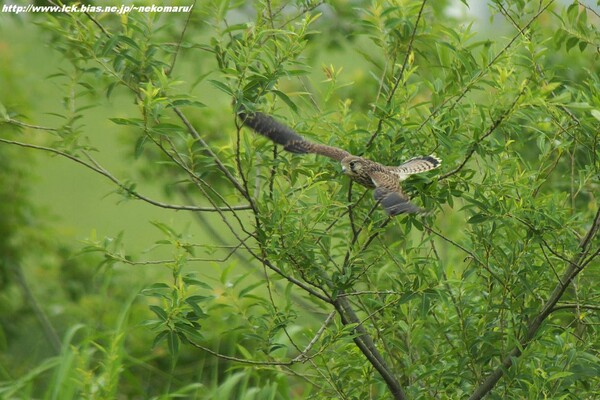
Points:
(173, 341)
(156, 290)
(139, 146)
(110, 45)
(559, 375)
(478, 218)
(110, 89)
(128, 121)
(244, 292)
(160, 313)
(286, 99)
(159, 338)
(167, 230)
(580, 106)
(198, 298)
(187, 102)
(221, 86)
(196, 282)
(572, 12)
(3, 113)
(571, 42)
(236, 27)
(189, 331)
(129, 41)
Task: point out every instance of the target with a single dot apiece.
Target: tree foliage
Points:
(302, 286)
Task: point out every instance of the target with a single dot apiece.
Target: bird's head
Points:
(352, 165)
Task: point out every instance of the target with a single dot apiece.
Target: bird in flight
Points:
(384, 179)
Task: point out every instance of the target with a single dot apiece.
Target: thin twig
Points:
(474, 145)
(481, 73)
(239, 360)
(566, 306)
(39, 312)
(187, 22)
(302, 356)
(215, 158)
(121, 185)
(398, 77)
(469, 252)
(26, 125)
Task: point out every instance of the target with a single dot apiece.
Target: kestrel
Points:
(384, 179)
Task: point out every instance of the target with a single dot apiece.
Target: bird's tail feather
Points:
(419, 164)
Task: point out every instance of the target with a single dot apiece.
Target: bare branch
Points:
(26, 125)
(366, 345)
(567, 306)
(185, 26)
(237, 359)
(308, 8)
(315, 339)
(366, 292)
(300, 358)
(96, 168)
(218, 162)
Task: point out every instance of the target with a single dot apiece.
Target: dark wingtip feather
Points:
(271, 128)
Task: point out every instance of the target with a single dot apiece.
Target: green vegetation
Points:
(221, 267)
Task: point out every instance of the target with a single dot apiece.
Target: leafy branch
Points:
(473, 146)
(575, 267)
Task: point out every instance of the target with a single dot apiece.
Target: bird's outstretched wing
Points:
(287, 137)
(389, 194)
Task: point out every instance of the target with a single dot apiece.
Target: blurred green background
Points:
(51, 209)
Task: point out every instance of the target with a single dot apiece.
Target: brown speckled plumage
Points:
(384, 179)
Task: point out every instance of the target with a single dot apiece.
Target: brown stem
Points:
(534, 325)
(365, 343)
